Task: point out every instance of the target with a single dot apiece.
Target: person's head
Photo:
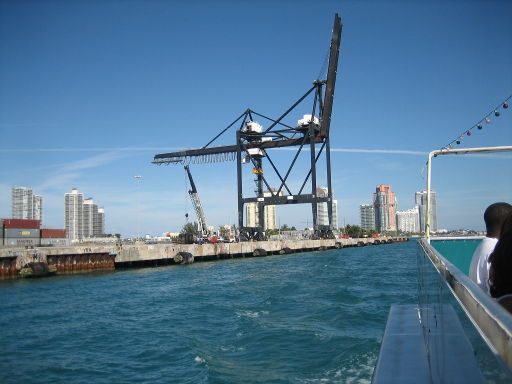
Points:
(494, 217)
(506, 227)
(500, 271)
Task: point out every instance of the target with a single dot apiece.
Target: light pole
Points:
(138, 179)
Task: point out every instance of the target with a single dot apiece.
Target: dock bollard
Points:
(183, 258)
(259, 252)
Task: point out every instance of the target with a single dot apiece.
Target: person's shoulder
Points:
(487, 243)
(483, 250)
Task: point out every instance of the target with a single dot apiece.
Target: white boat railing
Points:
(446, 151)
(492, 321)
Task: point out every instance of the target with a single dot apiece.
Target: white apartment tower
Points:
(367, 214)
(408, 221)
(99, 226)
(83, 218)
(26, 205)
(90, 218)
(420, 199)
(73, 214)
(37, 208)
(322, 209)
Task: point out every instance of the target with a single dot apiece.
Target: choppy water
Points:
(303, 318)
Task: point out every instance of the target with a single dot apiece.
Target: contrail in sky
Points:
(123, 149)
(382, 151)
(155, 149)
(163, 150)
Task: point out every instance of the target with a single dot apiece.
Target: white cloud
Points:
(70, 172)
(93, 162)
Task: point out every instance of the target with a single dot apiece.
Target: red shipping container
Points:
(22, 223)
(53, 233)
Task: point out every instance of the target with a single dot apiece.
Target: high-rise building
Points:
(322, 209)
(367, 213)
(83, 218)
(99, 224)
(26, 205)
(90, 218)
(73, 214)
(251, 214)
(420, 199)
(270, 216)
(408, 221)
(37, 208)
(384, 203)
(269, 212)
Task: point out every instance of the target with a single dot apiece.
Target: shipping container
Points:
(53, 242)
(21, 233)
(22, 223)
(47, 233)
(21, 242)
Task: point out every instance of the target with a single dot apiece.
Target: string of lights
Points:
(486, 120)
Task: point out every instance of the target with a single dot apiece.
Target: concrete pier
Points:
(84, 258)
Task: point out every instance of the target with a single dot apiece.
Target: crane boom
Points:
(196, 202)
(331, 76)
(292, 137)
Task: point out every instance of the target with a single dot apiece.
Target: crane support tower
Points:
(196, 202)
(255, 142)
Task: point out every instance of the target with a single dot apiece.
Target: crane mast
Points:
(196, 202)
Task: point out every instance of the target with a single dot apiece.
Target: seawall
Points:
(84, 258)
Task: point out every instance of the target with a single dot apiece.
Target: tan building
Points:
(270, 217)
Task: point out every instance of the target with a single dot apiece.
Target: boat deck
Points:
(442, 355)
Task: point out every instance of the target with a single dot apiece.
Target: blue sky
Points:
(90, 91)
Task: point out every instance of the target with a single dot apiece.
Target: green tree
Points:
(188, 228)
(285, 227)
(224, 232)
(371, 232)
(353, 231)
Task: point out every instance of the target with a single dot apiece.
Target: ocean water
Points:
(459, 251)
(315, 317)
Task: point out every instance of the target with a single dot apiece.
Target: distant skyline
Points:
(92, 90)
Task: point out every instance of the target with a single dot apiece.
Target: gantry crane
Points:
(196, 202)
(253, 143)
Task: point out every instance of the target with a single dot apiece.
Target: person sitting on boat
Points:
(494, 217)
(500, 270)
